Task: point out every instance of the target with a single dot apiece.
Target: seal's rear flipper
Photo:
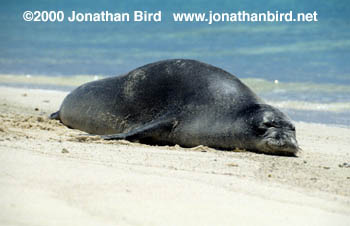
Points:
(157, 128)
(55, 115)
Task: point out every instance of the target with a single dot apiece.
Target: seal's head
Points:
(273, 132)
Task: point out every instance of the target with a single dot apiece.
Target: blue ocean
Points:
(301, 67)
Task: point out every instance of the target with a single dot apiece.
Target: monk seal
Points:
(179, 101)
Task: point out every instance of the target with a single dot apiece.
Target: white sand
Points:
(121, 183)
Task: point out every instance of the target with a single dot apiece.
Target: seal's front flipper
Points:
(155, 130)
(117, 136)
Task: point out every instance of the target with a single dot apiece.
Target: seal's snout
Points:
(276, 133)
(282, 142)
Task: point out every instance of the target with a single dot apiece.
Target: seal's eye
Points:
(269, 124)
(265, 126)
(261, 130)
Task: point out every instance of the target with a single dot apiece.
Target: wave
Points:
(312, 106)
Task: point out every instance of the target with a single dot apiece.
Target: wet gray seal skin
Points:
(182, 102)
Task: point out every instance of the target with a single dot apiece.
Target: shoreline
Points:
(52, 175)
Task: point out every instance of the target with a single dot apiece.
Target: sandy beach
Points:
(52, 175)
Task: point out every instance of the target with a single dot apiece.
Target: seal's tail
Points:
(55, 115)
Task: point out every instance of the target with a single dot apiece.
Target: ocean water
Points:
(310, 60)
